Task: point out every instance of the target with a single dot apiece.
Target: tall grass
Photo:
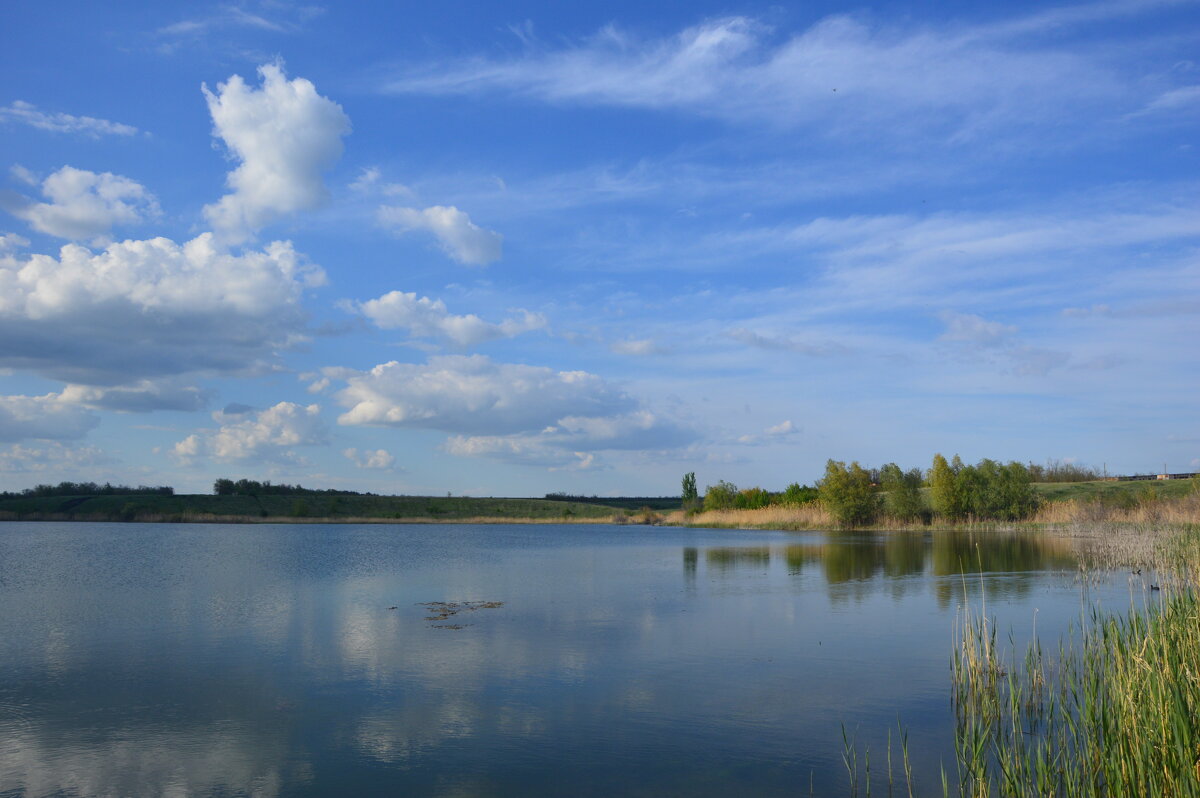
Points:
(1116, 713)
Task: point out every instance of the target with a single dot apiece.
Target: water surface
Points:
(142, 659)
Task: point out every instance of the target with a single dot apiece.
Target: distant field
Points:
(188, 507)
(1112, 491)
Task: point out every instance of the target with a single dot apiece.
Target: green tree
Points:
(751, 499)
(903, 491)
(848, 494)
(796, 494)
(944, 491)
(720, 496)
(691, 497)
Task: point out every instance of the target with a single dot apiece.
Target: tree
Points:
(848, 494)
(691, 497)
(944, 491)
(903, 490)
(796, 494)
(720, 496)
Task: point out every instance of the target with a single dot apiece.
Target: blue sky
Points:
(512, 248)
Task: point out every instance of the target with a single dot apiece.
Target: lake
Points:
(508, 660)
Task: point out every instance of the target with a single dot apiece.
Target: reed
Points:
(1117, 713)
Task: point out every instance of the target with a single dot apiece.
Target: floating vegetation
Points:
(444, 610)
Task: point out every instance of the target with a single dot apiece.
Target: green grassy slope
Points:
(299, 507)
(1112, 491)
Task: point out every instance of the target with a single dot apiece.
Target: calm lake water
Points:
(265, 660)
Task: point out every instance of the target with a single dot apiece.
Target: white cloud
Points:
(370, 180)
(28, 114)
(85, 205)
(637, 347)
(285, 135)
(142, 396)
(266, 435)
(11, 242)
(971, 329)
(370, 458)
(841, 73)
(979, 338)
(473, 394)
(776, 432)
(53, 457)
(1178, 99)
(458, 236)
(781, 343)
(515, 413)
(145, 309)
(573, 440)
(428, 318)
(47, 417)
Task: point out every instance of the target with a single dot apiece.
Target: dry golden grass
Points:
(804, 516)
(1184, 510)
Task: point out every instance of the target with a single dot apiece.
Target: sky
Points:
(522, 247)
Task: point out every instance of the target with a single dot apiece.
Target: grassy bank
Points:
(204, 508)
(1169, 503)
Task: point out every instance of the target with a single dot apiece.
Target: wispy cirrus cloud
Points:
(59, 122)
(845, 73)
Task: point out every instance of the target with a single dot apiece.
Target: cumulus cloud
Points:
(573, 440)
(11, 242)
(473, 394)
(148, 309)
(52, 457)
(379, 459)
(529, 415)
(267, 435)
(286, 136)
(28, 114)
(428, 318)
(48, 417)
(142, 396)
(84, 205)
(457, 235)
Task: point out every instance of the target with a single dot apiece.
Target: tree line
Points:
(88, 489)
(252, 487)
(856, 496)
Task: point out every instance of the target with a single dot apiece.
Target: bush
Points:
(903, 490)
(797, 494)
(848, 494)
(751, 499)
(720, 496)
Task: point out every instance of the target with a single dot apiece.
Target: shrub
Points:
(796, 494)
(720, 496)
(848, 494)
(751, 499)
(903, 489)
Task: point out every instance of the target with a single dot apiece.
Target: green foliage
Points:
(944, 492)
(689, 487)
(751, 499)
(299, 508)
(796, 494)
(903, 490)
(848, 494)
(721, 496)
(987, 491)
